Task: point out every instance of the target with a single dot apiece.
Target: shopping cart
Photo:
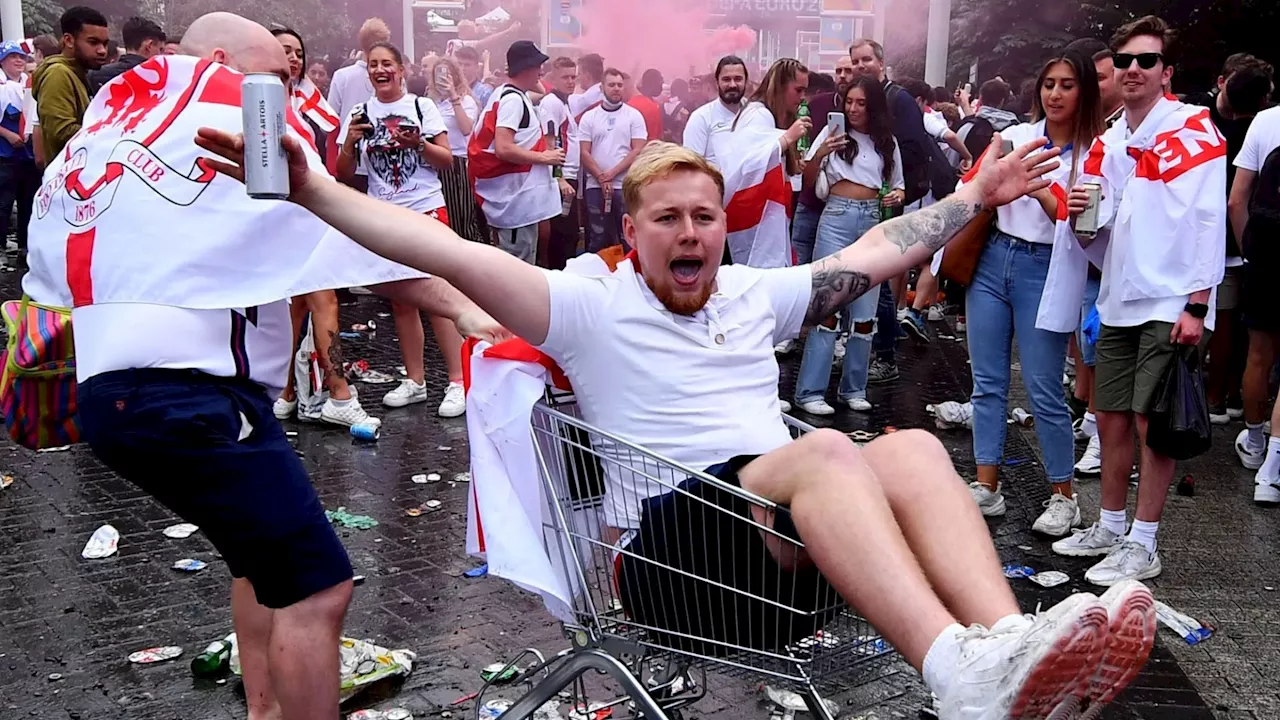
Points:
(657, 615)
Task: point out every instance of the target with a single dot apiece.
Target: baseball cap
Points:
(10, 48)
(522, 55)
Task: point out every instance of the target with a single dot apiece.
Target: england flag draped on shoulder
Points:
(131, 212)
(757, 196)
(511, 195)
(309, 102)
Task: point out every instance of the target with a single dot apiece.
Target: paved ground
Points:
(80, 619)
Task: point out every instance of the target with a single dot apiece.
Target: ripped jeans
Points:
(843, 222)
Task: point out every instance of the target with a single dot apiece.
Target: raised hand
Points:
(1019, 173)
(231, 148)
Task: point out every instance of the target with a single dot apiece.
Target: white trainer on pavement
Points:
(786, 406)
(1128, 561)
(784, 347)
(1266, 491)
(1248, 457)
(1078, 432)
(1027, 667)
(1131, 612)
(1061, 514)
(1090, 464)
(936, 313)
(1093, 541)
(859, 404)
(817, 407)
(344, 413)
(454, 403)
(284, 409)
(408, 393)
(990, 503)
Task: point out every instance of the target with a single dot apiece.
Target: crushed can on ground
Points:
(103, 543)
(1187, 627)
(155, 655)
(788, 700)
(190, 565)
(360, 664)
(180, 531)
(1050, 578)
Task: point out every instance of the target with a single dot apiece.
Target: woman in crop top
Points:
(1014, 293)
(862, 172)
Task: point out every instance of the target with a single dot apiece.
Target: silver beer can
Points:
(266, 167)
(1087, 221)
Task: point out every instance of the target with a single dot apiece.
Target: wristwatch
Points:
(1198, 311)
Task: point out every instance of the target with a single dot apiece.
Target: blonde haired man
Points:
(674, 353)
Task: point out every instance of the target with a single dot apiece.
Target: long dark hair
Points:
(1088, 122)
(302, 45)
(772, 92)
(879, 122)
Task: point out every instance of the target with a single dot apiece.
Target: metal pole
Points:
(408, 31)
(935, 62)
(881, 10)
(11, 20)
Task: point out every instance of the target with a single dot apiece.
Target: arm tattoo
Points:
(834, 288)
(933, 226)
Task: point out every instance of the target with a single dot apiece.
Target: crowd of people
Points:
(521, 169)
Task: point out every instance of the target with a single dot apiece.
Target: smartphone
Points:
(835, 121)
(442, 78)
(1006, 147)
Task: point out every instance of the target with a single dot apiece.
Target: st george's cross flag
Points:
(309, 102)
(757, 196)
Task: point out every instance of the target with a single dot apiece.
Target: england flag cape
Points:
(757, 196)
(130, 212)
(511, 196)
(1170, 177)
(309, 102)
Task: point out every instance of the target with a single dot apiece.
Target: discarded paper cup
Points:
(103, 543)
(155, 655)
(180, 531)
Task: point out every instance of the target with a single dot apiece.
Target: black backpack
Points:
(942, 177)
(980, 133)
(916, 165)
(1264, 208)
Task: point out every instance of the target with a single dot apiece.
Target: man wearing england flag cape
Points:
(178, 284)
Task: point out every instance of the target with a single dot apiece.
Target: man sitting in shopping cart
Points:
(674, 353)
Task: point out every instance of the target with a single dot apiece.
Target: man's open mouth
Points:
(686, 270)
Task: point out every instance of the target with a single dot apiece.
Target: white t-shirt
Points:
(399, 175)
(1025, 217)
(935, 125)
(756, 115)
(457, 140)
(704, 122)
(555, 111)
(581, 102)
(348, 87)
(1261, 140)
(699, 390)
(610, 134)
(867, 168)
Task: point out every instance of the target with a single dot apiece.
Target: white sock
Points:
(1270, 469)
(1113, 520)
(1145, 533)
(1090, 424)
(1253, 442)
(340, 403)
(941, 660)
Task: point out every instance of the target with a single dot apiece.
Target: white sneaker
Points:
(784, 347)
(1266, 491)
(1251, 459)
(1062, 514)
(902, 314)
(990, 503)
(1219, 418)
(345, 414)
(454, 403)
(961, 326)
(1131, 616)
(786, 406)
(936, 314)
(408, 393)
(817, 407)
(1093, 541)
(1090, 464)
(1235, 413)
(1128, 561)
(284, 409)
(1080, 434)
(1028, 666)
(859, 404)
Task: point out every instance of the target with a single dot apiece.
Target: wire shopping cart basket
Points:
(709, 577)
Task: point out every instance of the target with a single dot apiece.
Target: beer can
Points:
(365, 432)
(1087, 221)
(266, 168)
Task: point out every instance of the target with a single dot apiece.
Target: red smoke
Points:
(670, 35)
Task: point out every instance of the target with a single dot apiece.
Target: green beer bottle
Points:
(803, 144)
(886, 212)
(556, 170)
(214, 660)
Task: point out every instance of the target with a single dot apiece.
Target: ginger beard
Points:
(679, 234)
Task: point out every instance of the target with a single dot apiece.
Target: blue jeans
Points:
(843, 222)
(1003, 301)
(885, 343)
(804, 233)
(604, 229)
(1088, 351)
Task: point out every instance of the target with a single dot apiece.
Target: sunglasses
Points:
(1146, 61)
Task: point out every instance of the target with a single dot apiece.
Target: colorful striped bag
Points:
(38, 385)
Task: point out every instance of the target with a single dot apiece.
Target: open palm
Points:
(1019, 173)
(231, 147)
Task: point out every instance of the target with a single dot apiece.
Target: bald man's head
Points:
(238, 43)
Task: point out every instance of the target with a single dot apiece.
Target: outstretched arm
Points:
(891, 248)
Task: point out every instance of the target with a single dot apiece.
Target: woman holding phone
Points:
(855, 165)
(448, 88)
(1014, 294)
(402, 142)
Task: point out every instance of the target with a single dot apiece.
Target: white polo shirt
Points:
(556, 111)
(705, 122)
(699, 390)
(610, 133)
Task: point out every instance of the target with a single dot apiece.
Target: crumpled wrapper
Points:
(360, 664)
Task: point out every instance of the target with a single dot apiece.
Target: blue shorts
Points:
(176, 435)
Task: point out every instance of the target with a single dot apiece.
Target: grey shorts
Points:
(1230, 289)
(521, 242)
(1132, 362)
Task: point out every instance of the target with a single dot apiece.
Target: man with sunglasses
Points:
(1162, 168)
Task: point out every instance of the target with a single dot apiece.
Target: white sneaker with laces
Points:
(1079, 433)
(1093, 541)
(284, 409)
(1131, 613)
(817, 407)
(408, 393)
(1027, 666)
(990, 503)
(1061, 514)
(784, 347)
(1219, 418)
(345, 414)
(936, 313)
(1090, 464)
(1266, 492)
(1250, 458)
(1128, 561)
(454, 403)
(859, 404)
(786, 406)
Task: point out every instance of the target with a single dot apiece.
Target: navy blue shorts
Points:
(720, 588)
(175, 434)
